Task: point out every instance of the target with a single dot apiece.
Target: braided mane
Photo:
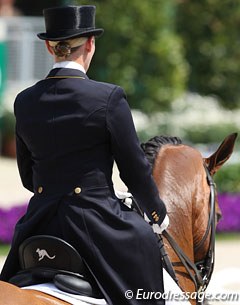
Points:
(152, 146)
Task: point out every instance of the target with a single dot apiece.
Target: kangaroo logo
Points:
(43, 253)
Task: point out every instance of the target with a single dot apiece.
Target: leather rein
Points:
(199, 272)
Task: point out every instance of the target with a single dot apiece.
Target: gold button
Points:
(40, 189)
(77, 190)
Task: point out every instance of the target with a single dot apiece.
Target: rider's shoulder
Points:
(107, 88)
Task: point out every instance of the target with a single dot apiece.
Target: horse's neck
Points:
(200, 216)
(178, 173)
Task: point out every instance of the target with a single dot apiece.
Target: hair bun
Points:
(62, 49)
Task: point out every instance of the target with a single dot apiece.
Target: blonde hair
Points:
(64, 48)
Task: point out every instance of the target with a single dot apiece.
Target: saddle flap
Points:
(76, 285)
(43, 251)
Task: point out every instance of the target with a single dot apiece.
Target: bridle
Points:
(206, 266)
(199, 272)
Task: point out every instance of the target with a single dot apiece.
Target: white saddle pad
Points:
(171, 288)
(51, 289)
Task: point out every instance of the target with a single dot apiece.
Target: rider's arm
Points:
(24, 162)
(134, 168)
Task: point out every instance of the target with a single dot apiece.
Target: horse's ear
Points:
(221, 155)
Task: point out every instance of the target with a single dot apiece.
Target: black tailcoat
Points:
(69, 129)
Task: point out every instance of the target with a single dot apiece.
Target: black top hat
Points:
(68, 22)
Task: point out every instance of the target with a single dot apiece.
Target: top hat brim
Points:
(71, 34)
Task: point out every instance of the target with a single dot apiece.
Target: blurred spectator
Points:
(7, 8)
(35, 8)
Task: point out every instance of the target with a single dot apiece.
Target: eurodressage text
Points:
(184, 296)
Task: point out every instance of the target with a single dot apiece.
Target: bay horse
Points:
(180, 173)
(184, 181)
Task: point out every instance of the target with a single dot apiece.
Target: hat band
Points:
(68, 31)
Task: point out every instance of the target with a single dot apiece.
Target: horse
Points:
(184, 181)
(182, 176)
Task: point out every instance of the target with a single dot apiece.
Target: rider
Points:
(69, 129)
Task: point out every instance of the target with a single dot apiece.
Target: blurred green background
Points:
(177, 60)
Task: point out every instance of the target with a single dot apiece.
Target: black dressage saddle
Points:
(46, 258)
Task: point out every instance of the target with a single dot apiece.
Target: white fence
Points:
(27, 57)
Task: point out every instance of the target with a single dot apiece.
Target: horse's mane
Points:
(152, 146)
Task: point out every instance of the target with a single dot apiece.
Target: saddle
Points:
(46, 258)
